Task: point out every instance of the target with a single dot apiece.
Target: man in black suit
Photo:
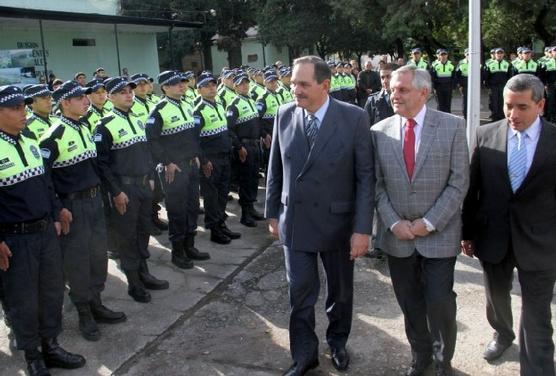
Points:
(319, 200)
(509, 222)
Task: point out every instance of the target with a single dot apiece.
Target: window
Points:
(252, 58)
(84, 42)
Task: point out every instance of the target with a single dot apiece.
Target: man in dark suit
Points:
(422, 172)
(319, 201)
(509, 222)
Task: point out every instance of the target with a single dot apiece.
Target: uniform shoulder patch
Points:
(197, 119)
(45, 153)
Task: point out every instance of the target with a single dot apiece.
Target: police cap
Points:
(95, 84)
(138, 77)
(240, 78)
(441, 51)
(526, 50)
(37, 91)
(270, 76)
(187, 75)
(11, 96)
(170, 77)
(70, 89)
(116, 84)
(416, 50)
(499, 49)
(228, 73)
(205, 78)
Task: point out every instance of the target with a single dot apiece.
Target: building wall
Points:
(219, 59)
(109, 7)
(138, 51)
(252, 55)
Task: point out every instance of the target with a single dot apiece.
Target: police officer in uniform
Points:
(226, 94)
(190, 92)
(497, 73)
(417, 60)
(70, 154)
(244, 124)
(443, 76)
(216, 146)
(284, 91)
(97, 98)
(174, 140)
(527, 64)
(40, 119)
(462, 72)
(257, 88)
(267, 105)
(335, 90)
(549, 79)
(127, 171)
(30, 257)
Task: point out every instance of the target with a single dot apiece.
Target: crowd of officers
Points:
(83, 169)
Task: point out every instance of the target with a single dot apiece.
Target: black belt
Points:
(250, 141)
(24, 227)
(86, 193)
(134, 180)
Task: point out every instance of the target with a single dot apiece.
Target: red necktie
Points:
(409, 147)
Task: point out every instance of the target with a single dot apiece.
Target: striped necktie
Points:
(517, 165)
(311, 129)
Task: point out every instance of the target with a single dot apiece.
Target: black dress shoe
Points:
(87, 325)
(217, 236)
(37, 367)
(160, 224)
(229, 233)
(139, 294)
(150, 281)
(418, 367)
(340, 358)
(105, 315)
(192, 252)
(495, 349)
(56, 357)
(247, 220)
(300, 370)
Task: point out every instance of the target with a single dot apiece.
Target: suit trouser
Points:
(444, 97)
(84, 249)
(182, 201)
(134, 226)
(536, 348)
(497, 102)
(34, 287)
(424, 290)
(215, 190)
(304, 284)
(249, 175)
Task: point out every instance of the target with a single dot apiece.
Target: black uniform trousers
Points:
(550, 106)
(444, 97)
(536, 348)
(84, 249)
(424, 290)
(304, 284)
(497, 102)
(464, 102)
(215, 189)
(111, 237)
(182, 201)
(249, 174)
(34, 287)
(133, 228)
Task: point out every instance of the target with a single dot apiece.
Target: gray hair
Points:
(421, 78)
(322, 71)
(523, 82)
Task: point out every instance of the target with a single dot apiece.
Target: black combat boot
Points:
(56, 357)
(105, 315)
(149, 280)
(135, 288)
(229, 233)
(256, 215)
(35, 363)
(192, 252)
(87, 325)
(218, 236)
(246, 217)
(178, 255)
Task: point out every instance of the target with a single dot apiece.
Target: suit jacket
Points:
(324, 194)
(499, 220)
(378, 107)
(436, 192)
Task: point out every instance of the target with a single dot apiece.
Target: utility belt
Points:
(134, 180)
(31, 227)
(84, 194)
(250, 141)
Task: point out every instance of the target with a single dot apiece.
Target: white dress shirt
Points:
(319, 114)
(533, 132)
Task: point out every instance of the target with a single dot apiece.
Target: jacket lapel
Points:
(394, 133)
(543, 149)
(428, 134)
(501, 144)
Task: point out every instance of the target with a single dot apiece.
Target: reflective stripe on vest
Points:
(272, 103)
(214, 117)
(526, 66)
(176, 118)
(246, 108)
(13, 170)
(125, 133)
(76, 144)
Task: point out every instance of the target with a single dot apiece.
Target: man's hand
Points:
(359, 245)
(65, 218)
(170, 172)
(151, 185)
(402, 230)
(242, 154)
(419, 228)
(120, 202)
(273, 226)
(207, 169)
(5, 255)
(196, 162)
(468, 248)
(267, 141)
(58, 228)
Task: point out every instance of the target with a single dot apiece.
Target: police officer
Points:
(549, 79)
(335, 90)
(417, 60)
(284, 91)
(69, 152)
(174, 140)
(497, 73)
(30, 257)
(190, 92)
(527, 64)
(40, 119)
(215, 143)
(226, 94)
(127, 171)
(257, 87)
(267, 105)
(97, 98)
(443, 77)
(151, 96)
(80, 78)
(462, 72)
(244, 125)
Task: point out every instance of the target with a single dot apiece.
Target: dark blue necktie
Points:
(311, 129)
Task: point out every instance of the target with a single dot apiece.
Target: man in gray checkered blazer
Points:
(422, 170)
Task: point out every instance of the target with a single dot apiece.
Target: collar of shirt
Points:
(533, 132)
(419, 118)
(175, 102)
(9, 138)
(319, 114)
(75, 124)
